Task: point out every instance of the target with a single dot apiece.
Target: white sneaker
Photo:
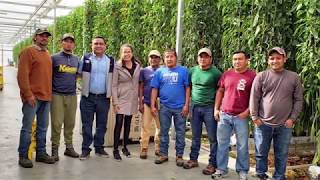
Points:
(243, 176)
(219, 174)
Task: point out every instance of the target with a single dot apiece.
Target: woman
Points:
(125, 84)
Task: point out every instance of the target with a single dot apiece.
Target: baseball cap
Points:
(154, 53)
(205, 50)
(277, 50)
(67, 35)
(42, 31)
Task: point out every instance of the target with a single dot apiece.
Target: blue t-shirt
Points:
(64, 74)
(146, 75)
(171, 83)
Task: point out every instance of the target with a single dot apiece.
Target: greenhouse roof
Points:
(19, 19)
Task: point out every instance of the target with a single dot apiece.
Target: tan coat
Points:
(125, 89)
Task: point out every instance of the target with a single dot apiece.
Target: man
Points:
(231, 112)
(96, 69)
(275, 103)
(172, 84)
(35, 83)
(64, 98)
(146, 76)
(204, 79)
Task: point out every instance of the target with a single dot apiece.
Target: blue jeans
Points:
(42, 111)
(226, 124)
(200, 115)
(166, 115)
(281, 139)
(98, 105)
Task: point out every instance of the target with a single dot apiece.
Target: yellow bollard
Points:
(33, 144)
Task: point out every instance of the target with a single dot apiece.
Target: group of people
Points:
(163, 94)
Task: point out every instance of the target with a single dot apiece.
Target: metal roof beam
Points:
(34, 5)
(2, 11)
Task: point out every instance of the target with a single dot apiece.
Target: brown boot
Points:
(71, 152)
(179, 161)
(55, 153)
(143, 153)
(161, 159)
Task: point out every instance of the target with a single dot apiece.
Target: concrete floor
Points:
(73, 169)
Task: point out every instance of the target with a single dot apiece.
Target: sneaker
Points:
(161, 159)
(25, 162)
(179, 161)
(116, 155)
(143, 153)
(55, 153)
(219, 174)
(209, 170)
(126, 152)
(261, 176)
(190, 164)
(102, 153)
(243, 176)
(71, 152)
(84, 155)
(45, 158)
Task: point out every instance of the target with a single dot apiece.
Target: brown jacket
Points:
(35, 73)
(125, 89)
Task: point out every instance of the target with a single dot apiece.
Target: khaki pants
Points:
(63, 111)
(147, 120)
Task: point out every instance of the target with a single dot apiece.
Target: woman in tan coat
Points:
(125, 85)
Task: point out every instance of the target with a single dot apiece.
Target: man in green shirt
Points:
(204, 79)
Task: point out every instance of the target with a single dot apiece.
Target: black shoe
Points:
(102, 153)
(84, 155)
(55, 154)
(262, 176)
(25, 162)
(71, 152)
(45, 158)
(126, 152)
(116, 155)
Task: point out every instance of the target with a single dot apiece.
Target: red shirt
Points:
(237, 87)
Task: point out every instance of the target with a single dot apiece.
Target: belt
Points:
(98, 95)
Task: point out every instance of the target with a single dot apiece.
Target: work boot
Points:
(55, 153)
(179, 161)
(45, 158)
(25, 162)
(71, 152)
(143, 153)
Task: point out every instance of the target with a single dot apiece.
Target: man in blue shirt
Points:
(146, 76)
(171, 83)
(64, 98)
(96, 69)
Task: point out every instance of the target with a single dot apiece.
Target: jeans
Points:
(226, 125)
(98, 105)
(41, 109)
(281, 139)
(166, 115)
(200, 115)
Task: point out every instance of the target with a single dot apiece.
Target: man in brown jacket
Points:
(35, 81)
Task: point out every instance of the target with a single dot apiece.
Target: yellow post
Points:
(33, 144)
(1, 78)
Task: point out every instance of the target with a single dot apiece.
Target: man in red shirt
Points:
(231, 112)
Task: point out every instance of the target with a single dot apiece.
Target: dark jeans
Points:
(281, 139)
(90, 106)
(126, 130)
(42, 111)
(200, 115)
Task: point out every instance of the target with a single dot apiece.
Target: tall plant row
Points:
(223, 25)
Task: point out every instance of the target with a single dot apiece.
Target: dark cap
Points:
(42, 31)
(67, 35)
(278, 50)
